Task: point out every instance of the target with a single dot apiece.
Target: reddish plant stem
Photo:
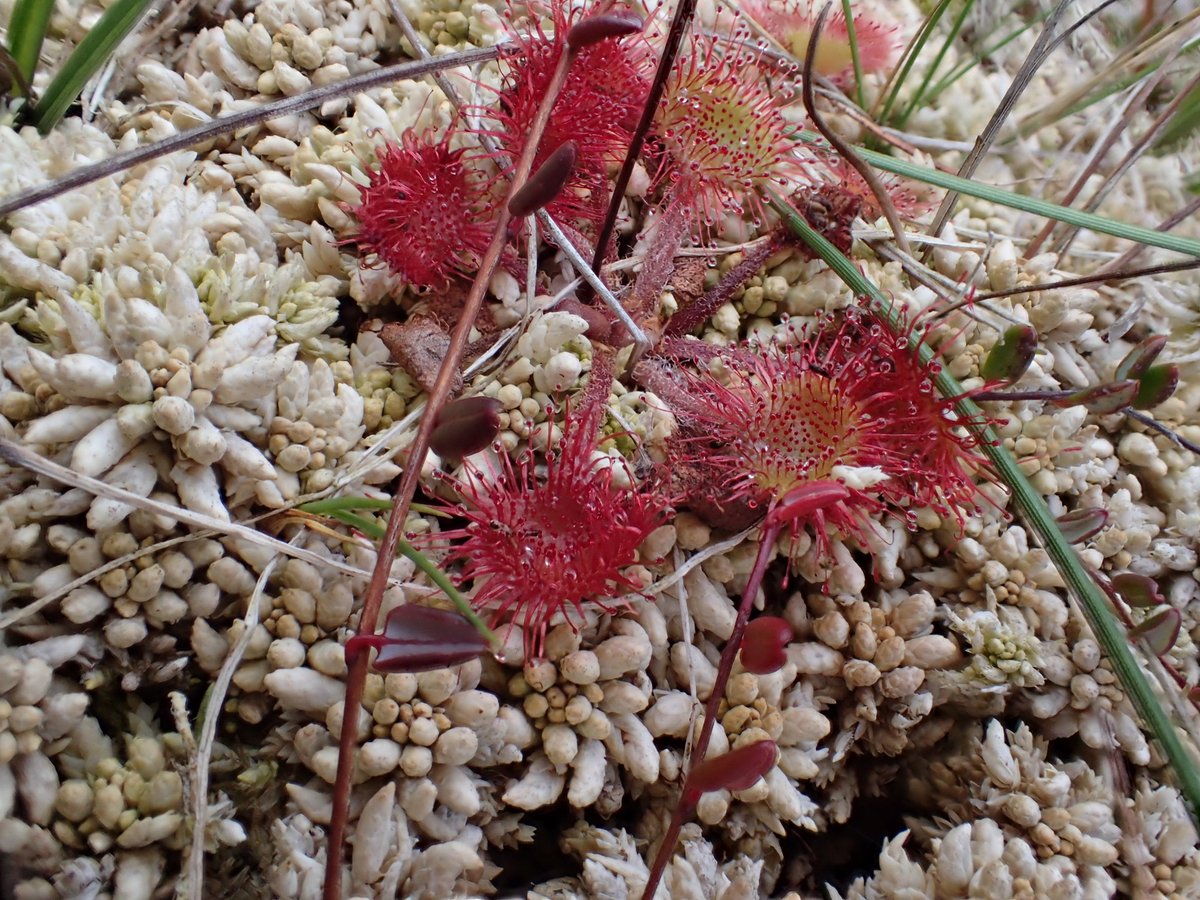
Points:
(683, 811)
(356, 677)
(679, 24)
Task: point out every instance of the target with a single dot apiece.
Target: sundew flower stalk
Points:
(821, 435)
(597, 110)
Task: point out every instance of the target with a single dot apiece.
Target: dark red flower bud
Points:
(764, 646)
(1103, 398)
(419, 638)
(466, 426)
(1079, 525)
(546, 183)
(1160, 629)
(1139, 591)
(600, 27)
(1155, 385)
(1008, 360)
(733, 771)
(1141, 357)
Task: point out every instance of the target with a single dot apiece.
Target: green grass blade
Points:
(968, 64)
(910, 58)
(419, 559)
(1078, 218)
(26, 31)
(852, 38)
(1183, 124)
(86, 60)
(1091, 598)
(920, 96)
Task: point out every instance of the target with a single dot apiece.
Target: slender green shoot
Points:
(86, 60)
(26, 31)
(1183, 124)
(852, 39)
(962, 68)
(1092, 600)
(420, 560)
(1039, 207)
(909, 59)
(921, 94)
(331, 505)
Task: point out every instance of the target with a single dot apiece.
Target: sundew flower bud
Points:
(791, 22)
(848, 404)
(723, 131)
(425, 212)
(535, 544)
(597, 108)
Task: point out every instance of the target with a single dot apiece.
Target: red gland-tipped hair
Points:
(425, 212)
(537, 545)
(790, 23)
(847, 412)
(723, 131)
(597, 109)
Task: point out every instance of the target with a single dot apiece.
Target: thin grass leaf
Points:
(967, 65)
(86, 60)
(1183, 124)
(919, 96)
(1038, 207)
(911, 52)
(26, 32)
(1092, 600)
(852, 39)
(426, 565)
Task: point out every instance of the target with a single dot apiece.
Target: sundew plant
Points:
(664, 450)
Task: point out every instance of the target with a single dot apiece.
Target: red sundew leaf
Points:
(1160, 629)
(1155, 385)
(466, 426)
(733, 771)
(547, 182)
(1141, 357)
(1139, 591)
(419, 638)
(1007, 361)
(764, 646)
(1080, 525)
(603, 26)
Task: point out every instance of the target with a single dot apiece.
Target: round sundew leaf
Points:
(1160, 629)
(733, 771)
(764, 646)
(1080, 525)
(1008, 360)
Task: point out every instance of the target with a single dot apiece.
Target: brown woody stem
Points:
(687, 804)
(356, 677)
